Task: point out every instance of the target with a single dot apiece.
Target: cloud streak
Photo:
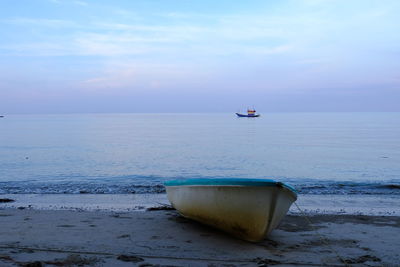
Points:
(42, 22)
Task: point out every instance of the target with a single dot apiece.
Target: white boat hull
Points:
(247, 212)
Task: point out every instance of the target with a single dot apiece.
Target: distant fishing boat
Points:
(251, 113)
(246, 208)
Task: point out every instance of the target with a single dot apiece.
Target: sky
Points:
(89, 56)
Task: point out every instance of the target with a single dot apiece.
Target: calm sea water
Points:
(318, 153)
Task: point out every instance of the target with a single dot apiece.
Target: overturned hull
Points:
(246, 208)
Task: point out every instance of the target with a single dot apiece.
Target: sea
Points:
(120, 157)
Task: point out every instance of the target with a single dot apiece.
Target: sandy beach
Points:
(31, 237)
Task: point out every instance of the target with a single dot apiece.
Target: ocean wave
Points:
(79, 188)
(111, 187)
(349, 188)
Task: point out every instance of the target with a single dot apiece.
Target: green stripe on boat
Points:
(229, 181)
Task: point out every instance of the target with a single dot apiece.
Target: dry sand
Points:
(164, 238)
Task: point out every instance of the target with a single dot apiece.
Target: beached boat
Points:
(251, 113)
(247, 208)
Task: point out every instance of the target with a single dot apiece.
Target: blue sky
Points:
(67, 56)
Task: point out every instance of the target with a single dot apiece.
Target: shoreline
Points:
(374, 205)
(135, 238)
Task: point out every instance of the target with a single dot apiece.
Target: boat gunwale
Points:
(231, 182)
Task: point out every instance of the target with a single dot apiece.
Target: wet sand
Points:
(375, 205)
(163, 237)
